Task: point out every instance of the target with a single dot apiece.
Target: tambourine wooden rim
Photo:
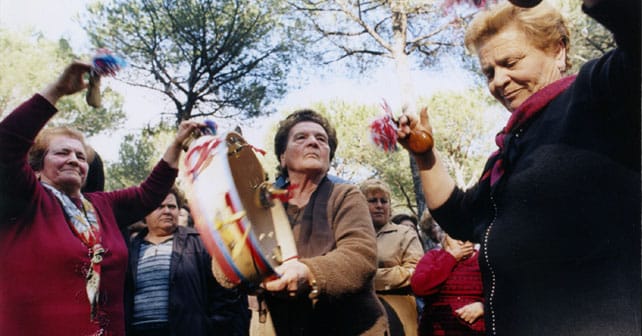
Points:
(263, 247)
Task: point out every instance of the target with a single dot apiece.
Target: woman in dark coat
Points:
(557, 209)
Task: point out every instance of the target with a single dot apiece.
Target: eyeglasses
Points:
(375, 200)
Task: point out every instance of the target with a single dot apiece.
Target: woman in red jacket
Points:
(449, 280)
(62, 254)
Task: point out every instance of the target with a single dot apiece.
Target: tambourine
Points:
(235, 209)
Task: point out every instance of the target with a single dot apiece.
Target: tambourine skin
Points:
(246, 240)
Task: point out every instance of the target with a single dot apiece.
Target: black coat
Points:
(198, 305)
(560, 234)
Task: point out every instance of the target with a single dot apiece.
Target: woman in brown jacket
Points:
(329, 290)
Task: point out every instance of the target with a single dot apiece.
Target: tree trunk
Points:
(408, 99)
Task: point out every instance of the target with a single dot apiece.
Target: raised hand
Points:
(69, 82)
(458, 249)
(185, 129)
(415, 135)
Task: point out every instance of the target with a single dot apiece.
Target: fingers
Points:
(291, 274)
(275, 285)
(72, 79)
(79, 66)
(287, 281)
(424, 120)
(405, 124)
(471, 312)
(465, 314)
(186, 128)
(415, 134)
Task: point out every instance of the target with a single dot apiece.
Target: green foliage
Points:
(138, 155)
(589, 39)
(30, 62)
(208, 57)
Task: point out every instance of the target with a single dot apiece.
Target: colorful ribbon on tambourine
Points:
(203, 151)
(226, 186)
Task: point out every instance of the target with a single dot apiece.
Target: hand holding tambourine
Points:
(237, 212)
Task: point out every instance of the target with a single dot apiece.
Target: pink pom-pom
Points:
(383, 132)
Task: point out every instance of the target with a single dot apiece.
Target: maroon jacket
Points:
(42, 263)
(447, 285)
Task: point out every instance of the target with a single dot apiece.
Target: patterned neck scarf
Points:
(528, 110)
(85, 225)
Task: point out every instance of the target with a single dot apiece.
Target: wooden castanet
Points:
(420, 142)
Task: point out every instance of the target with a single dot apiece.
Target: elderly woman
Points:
(170, 289)
(557, 210)
(398, 251)
(63, 258)
(329, 290)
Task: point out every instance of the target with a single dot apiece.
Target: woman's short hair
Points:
(41, 144)
(281, 136)
(543, 25)
(374, 185)
(178, 194)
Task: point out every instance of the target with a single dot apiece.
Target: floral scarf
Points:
(85, 225)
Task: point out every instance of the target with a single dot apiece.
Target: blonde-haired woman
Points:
(398, 250)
